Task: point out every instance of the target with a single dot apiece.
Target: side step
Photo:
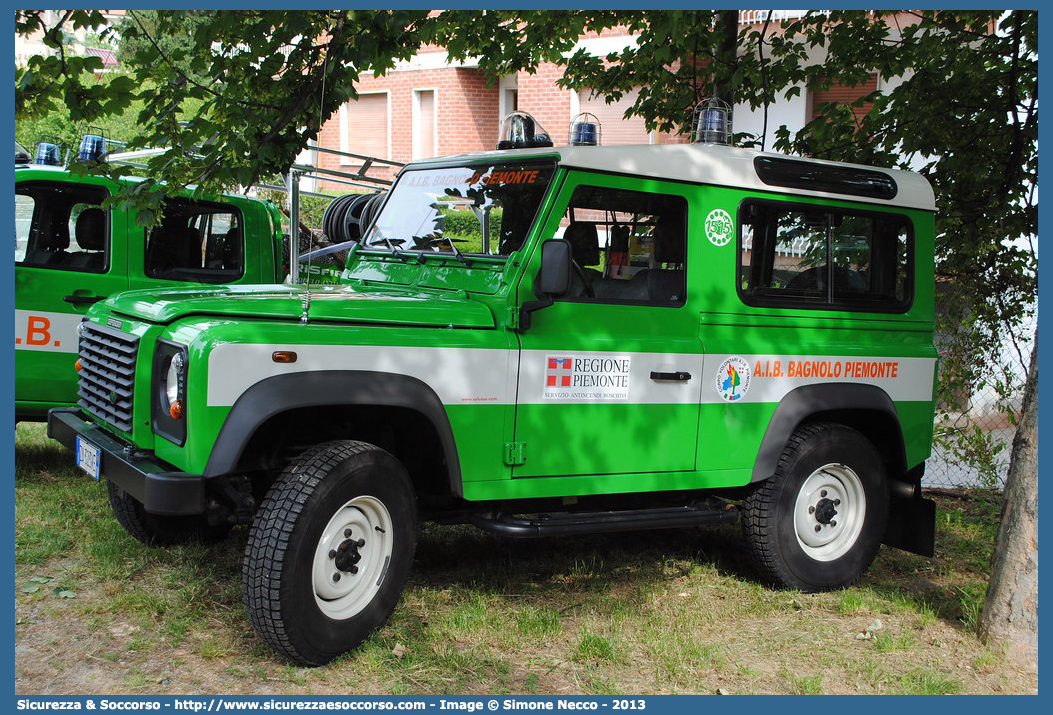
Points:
(598, 522)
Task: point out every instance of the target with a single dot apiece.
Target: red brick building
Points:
(430, 107)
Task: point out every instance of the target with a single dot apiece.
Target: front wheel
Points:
(329, 551)
(818, 522)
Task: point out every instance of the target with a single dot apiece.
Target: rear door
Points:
(196, 242)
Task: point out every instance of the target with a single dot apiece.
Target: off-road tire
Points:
(791, 521)
(158, 529)
(333, 496)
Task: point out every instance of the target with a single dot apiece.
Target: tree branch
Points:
(54, 34)
(764, 78)
(305, 94)
(186, 78)
(1012, 163)
(932, 20)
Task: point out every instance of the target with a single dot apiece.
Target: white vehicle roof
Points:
(705, 164)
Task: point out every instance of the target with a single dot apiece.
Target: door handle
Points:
(675, 376)
(83, 299)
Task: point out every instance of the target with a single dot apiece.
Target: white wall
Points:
(793, 113)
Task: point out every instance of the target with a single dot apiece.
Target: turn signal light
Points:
(77, 366)
(283, 356)
(175, 409)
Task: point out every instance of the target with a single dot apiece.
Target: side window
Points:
(196, 241)
(806, 256)
(61, 227)
(628, 246)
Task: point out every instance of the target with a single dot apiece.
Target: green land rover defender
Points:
(538, 341)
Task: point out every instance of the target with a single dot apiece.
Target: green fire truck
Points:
(539, 341)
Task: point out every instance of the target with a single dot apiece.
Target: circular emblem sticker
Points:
(719, 227)
(733, 378)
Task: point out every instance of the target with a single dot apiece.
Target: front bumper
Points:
(160, 488)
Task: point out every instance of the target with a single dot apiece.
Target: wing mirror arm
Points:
(553, 280)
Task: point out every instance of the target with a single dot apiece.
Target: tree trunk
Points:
(728, 27)
(1010, 614)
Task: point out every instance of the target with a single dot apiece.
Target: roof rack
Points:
(359, 179)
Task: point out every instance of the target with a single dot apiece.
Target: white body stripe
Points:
(639, 388)
(771, 377)
(47, 331)
(463, 376)
(458, 375)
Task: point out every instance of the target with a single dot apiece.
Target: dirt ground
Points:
(58, 653)
(59, 657)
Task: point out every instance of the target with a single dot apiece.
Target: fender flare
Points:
(802, 402)
(321, 388)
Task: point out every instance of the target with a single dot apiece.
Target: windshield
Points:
(480, 209)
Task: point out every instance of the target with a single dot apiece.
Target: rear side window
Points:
(853, 180)
(804, 256)
(61, 226)
(196, 241)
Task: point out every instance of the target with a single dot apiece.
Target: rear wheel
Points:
(818, 522)
(159, 529)
(329, 551)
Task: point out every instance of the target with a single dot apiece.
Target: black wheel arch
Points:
(320, 390)
(866, 408)
(869, 410)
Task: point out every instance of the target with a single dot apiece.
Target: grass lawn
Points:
(674, 611)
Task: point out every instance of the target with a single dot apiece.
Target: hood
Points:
(410, 306)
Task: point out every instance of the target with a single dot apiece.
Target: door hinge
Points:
(513, 318)
(515, 453)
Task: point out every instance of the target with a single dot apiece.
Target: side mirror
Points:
(553, 279)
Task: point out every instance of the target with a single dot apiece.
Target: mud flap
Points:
(911, 518)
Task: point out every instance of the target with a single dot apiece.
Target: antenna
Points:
(294, 212)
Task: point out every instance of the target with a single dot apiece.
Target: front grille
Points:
(107, 374)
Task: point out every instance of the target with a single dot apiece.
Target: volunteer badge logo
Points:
(719, 227)
(733, 379)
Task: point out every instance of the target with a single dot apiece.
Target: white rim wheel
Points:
(830, 511)
(352, 557)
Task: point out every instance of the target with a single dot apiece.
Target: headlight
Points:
(174, 385)
(170, 391)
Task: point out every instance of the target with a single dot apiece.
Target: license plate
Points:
(89, 457)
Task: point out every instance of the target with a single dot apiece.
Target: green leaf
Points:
(144, 218)
(64, 593)
(30, 588)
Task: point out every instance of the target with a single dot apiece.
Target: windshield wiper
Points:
(393, 247)
(456, 251)
(437, 242)
(378, 244)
